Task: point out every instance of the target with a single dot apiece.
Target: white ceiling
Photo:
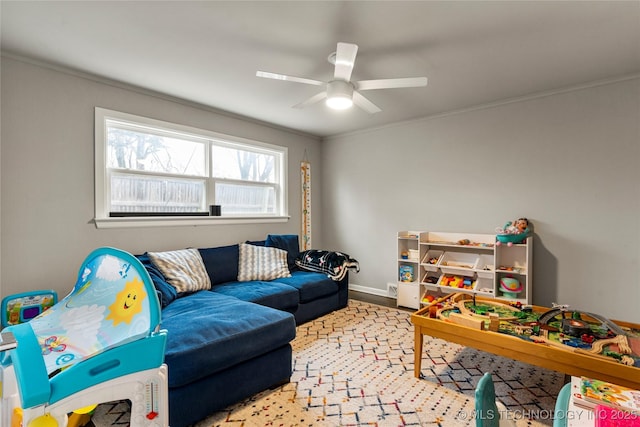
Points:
(473, 53)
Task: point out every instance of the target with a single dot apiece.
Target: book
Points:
(610, 417)
(592, 392)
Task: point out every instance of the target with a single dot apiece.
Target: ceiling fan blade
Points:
(391, 83)
(345, 59)
(268, 75)
(365, 104)
(315, 98)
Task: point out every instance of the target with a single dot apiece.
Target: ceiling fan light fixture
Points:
(339, 103)
(339, 95)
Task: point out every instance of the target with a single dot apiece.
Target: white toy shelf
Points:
(443, 263)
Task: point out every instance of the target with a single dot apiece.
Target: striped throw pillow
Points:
(183, 269)
(261, 263)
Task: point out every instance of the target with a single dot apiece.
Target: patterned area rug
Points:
(354, 367)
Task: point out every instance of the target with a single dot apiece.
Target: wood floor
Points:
(376, 299)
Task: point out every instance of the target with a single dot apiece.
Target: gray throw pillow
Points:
(183, 269)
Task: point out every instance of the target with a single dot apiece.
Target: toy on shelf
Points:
(510, 287)
(428, 299)
(456, 281)
(434, 297)
(513, 232)
(432, 280)
(406, 273)
(510, 269)
(86, 350)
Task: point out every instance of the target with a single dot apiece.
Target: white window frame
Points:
(102, 178)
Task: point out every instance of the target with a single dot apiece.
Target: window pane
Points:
(139, 193)
(245, 199)
(128, 149)
(146, 165)
(232, 163)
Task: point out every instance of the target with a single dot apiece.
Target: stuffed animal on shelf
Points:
(513, 232)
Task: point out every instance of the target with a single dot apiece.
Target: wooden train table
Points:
(573, 342)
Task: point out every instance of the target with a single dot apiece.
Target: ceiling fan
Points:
(341, 93)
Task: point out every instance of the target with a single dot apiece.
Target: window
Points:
(158, 172)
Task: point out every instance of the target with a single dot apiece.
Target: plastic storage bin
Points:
(458, 263)
(431, 260)
(484, 266)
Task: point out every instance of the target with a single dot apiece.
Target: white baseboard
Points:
(367, 290)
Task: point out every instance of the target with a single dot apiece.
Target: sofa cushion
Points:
(310, 285)
(221, 263)
(286, 242)
(261, 263)
(209, 332)
(272, 294)
(166, 292)
(183, 269)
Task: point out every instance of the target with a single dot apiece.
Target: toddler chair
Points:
(560, 416)
(100, 343)
(488, 413)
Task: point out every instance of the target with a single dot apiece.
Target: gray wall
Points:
(568, 161)
(47, 172)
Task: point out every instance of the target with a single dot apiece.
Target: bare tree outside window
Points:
(160, 171)
(251, 168)
(149, 152)
(140, 151)
(131, 149)
(245, 165)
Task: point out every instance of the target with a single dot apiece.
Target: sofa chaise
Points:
(229, 333)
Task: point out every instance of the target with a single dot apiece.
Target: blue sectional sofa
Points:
(232, 340)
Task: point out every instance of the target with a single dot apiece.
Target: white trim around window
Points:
(275, 184)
